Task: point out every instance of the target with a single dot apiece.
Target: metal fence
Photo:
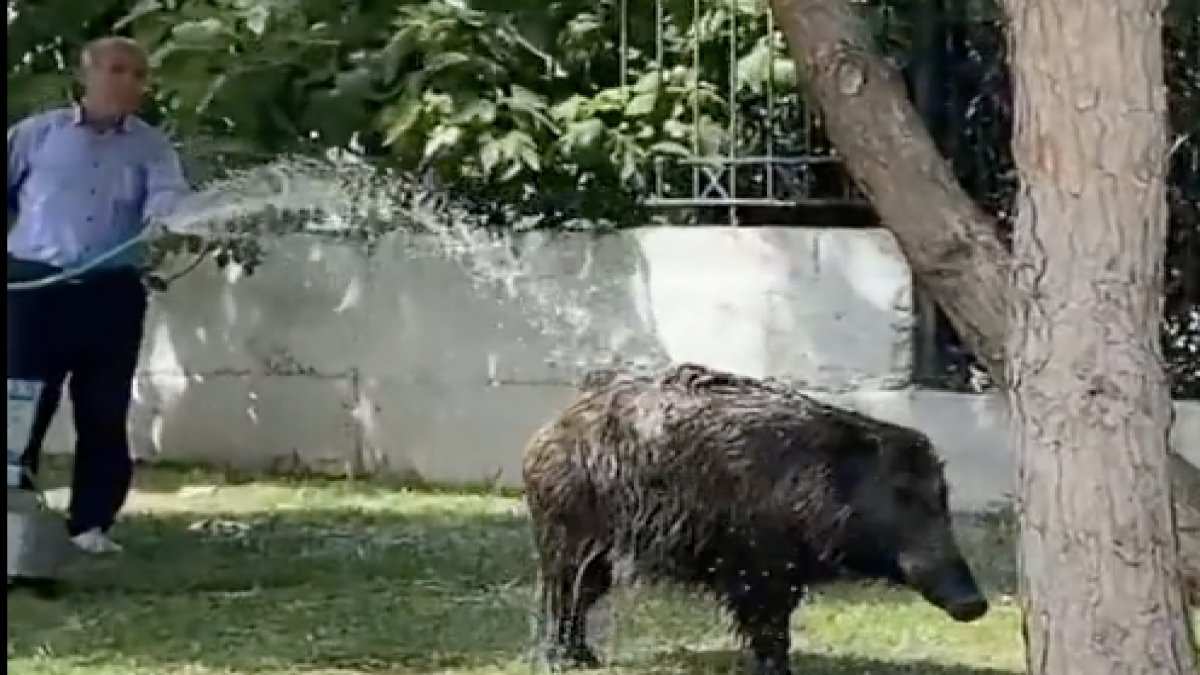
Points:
(777, 167)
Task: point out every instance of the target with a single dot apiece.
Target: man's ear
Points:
(78, 82)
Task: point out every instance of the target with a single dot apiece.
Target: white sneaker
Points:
(96, 542)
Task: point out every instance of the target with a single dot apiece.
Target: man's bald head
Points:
(114, 71)
(97, 50)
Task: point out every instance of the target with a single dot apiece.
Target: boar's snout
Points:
(968, 610)
(950, 587)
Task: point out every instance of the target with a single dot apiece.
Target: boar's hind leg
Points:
(573, 585)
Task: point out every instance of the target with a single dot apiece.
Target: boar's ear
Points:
(911, 452)
(855, 456)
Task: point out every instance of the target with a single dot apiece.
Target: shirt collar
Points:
(121, 126)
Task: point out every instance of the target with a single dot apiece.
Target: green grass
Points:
(315, 577)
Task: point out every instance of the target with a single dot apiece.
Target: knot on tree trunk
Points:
(849, 71)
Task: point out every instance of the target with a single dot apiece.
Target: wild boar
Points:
(742, 487)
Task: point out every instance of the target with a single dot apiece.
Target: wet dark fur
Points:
(739, 486)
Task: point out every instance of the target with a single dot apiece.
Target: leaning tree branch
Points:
(952, 245)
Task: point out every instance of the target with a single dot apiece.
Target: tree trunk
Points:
(950, 243)
(1090, 399)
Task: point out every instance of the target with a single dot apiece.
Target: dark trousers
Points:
(86, 335)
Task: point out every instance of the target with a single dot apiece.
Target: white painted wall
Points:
(400, 362)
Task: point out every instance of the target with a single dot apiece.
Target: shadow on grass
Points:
(727, 661)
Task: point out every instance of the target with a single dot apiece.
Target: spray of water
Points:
(344, 197)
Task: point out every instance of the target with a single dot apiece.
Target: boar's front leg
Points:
(763, 615)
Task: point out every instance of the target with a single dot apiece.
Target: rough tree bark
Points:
(1090, 399)
(951, 244)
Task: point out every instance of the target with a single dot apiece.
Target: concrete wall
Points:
(417, 359)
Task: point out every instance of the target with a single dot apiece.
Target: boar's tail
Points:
(594, 380)
(693, 377)
(600, 378)
(686, 376)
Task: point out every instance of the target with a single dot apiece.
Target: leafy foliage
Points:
(547, 109)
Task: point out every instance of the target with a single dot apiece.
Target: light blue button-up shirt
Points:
(78, 192)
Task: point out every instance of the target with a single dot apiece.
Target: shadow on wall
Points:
(729, 661)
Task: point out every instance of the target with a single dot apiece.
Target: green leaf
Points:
(585, 132)
(139, 10)
(516, 150)
(670, 148)
(439, 102)
(444, 60)
(612, 99)
(786, 76)
(642, 104)
(569, 109)
(710, 136)
(584, 142)
(513, 142)
(478, 110)
(533, 105)
(442, 138)
(529, 155)
(765, 64)
(513, 170)
(677, 129)
(520, 98)
(404, 116)
(583, 24)
(490, 154)
(681, 76)
(649, 82)
(256, 18)
(403, 43)
(200, 32)
(519, 151)
(753, 68)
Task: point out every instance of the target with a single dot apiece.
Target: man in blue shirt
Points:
(82, 180)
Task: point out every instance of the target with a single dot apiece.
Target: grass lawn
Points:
(312, 577)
